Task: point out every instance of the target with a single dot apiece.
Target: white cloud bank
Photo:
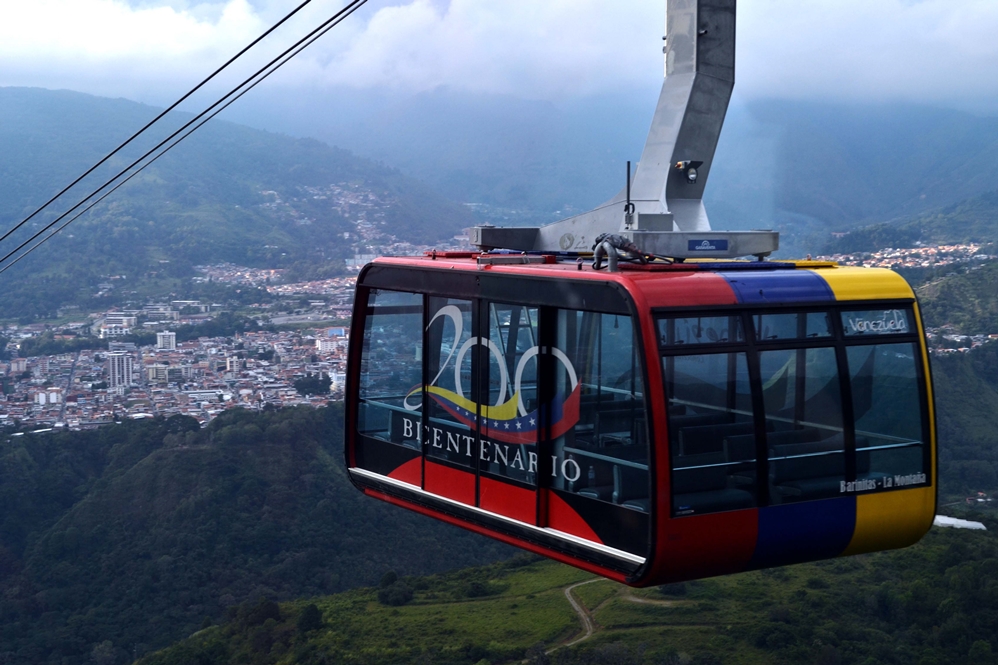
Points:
(936, 51)
(111, 46)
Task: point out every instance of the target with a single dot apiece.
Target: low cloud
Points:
(934, 51)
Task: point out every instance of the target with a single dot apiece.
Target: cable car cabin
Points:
(655, 424)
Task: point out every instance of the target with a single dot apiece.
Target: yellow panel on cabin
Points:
(888, 520)
(849, 283)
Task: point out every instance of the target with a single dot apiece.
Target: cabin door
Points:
(510, 416)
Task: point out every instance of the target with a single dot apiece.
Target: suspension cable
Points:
(155, 120)
(284, 58)
(296, 48)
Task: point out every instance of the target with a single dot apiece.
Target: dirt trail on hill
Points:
(588, 625)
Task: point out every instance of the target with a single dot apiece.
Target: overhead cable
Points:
(154, 120)
(200, 120)
(197, 121)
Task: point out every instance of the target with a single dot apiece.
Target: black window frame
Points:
(752, 347)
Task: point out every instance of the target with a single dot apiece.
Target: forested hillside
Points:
(229, 193)
(966, 388)
(135, 533)
(826, 165)
(972, 220)
(966, 300)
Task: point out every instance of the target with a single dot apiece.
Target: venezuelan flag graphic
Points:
(503, 421)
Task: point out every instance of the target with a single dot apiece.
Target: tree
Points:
(103, 653)
(388, 579)
(396, 594)
(309, 619)
(313, 384)
(980, 653)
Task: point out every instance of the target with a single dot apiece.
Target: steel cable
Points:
(283, 58)
(154, 121)
(200, 124)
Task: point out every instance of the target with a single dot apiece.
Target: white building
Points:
(116, 325)
(166, 341)
(49, 396)
(119, 369)
(326, 344)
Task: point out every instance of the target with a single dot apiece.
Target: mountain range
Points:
(229, 193)
(779, 164)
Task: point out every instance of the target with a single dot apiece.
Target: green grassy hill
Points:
(965, 299)
(933, 603)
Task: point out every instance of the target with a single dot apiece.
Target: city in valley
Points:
(298, 358)
(198, 377)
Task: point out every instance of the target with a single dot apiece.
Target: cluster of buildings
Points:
(947, 339)
(979, 499)
(119, 323)
(926, 256)
(199, 378)
(227, 273)
(365, 210)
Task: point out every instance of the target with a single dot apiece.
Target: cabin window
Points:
(827, 401)
(686, 331)
(510, 423)
(801, 325)
(391, 367)
(453, 389)
(804, 430)
(890, 450)
(600, 446)
(532, 415)
(712, 433)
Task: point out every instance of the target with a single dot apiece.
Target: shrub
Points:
(395, 595)
(676, 589)
(309, 619)
(388, 579)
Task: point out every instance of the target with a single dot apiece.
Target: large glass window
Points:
(797, 325)
(453, 393)
(889, 438)
(598, 429)
(687, 330)
(804, 429)
(792, 407)
(510, 422)
(391, 368)
(532, 413)
(712, 433)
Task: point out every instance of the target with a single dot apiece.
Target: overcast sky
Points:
(942, 52)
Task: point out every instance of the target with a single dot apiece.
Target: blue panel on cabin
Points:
(805, 531)
(778, 286)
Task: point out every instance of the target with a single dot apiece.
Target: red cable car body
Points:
(656, 424)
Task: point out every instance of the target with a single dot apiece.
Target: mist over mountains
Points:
(47, 138)
(801, 168)
(229, 193)
(779, 163)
